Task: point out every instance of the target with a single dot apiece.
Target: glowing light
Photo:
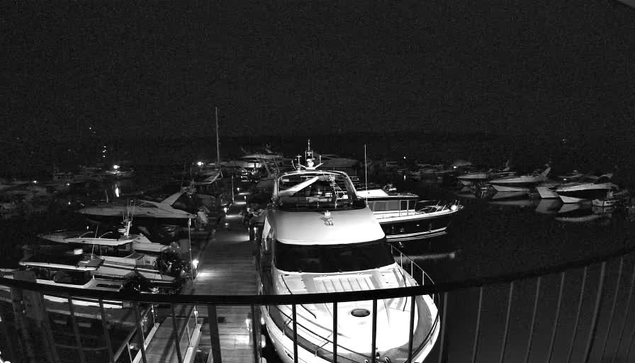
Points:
(35, 182)
(116, 167)
(117, 193)
(454, 207)
(195, 263)
(263, 341)
(225, 209)
(199, 163)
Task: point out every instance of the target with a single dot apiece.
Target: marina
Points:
(311, 182)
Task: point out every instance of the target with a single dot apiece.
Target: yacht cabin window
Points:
(332, 258)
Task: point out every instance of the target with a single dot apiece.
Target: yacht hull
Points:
(411, 229)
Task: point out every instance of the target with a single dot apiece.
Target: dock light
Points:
(225, 209)
(199, 163)
(195, 263)
(34, 181)
(116, 167)
(117, 191)
(263, 341)
(454, 207)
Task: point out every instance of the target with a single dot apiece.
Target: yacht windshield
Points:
(317, 191)
(332, 258)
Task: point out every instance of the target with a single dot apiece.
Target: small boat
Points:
(523, 183)
(403, 217)
(588, 188)
(124, 254)
(73, 271)
(612, 199)
(171, 208)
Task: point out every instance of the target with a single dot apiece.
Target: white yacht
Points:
(171, 208)
(73, 271)
(320, 237)
(588, 188)
(520, 183)
(125, 255)
(404, 217)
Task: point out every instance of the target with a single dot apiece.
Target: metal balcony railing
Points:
(580, 311)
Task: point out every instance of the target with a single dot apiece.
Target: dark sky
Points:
(521, 67)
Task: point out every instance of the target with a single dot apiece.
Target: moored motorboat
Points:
(403, 217)
(127, 254)
(320, 237)
(519, 183)
(587, 189)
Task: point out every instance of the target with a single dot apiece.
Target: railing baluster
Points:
(254, 333)
(46, 322)
(374, 332)
(78, 338)
(443, 325)
(596, 313)
(175, 334)
(533, 319)
(335, 331)
(577, 315)
(214, 335)
(411, 326)
(104, 324)
(294, 317)
(140, 331)
(626, 314)
(557, 317)
(610, 323)
(478, 324)
(506, 329)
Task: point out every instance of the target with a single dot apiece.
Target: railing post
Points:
(533, 319)
(596, 313)
(556, 318)
(335, 331)
(374, 332)
(142, 347)
(443, 325)
(104, 324)
(78, 338)
(214, 335)
(175, 334)
(610, 323)
(577, 315)
(411, 326)
(294, 317)
(506, 329)
(478, 324)
(254, 333)
(626, 314)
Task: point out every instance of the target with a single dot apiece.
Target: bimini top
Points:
(325, 227)
(315, 190)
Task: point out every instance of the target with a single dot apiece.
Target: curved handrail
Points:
(248, 300)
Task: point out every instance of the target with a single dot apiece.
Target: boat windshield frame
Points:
(332, 258)
(324, 190)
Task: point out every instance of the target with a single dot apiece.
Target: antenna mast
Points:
(365, 168)
(217, 139)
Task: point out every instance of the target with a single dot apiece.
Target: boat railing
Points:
(574, 311)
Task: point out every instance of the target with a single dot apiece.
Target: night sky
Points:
(135, 69)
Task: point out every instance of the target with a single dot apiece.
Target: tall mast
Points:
(365, 168)
(217, 139)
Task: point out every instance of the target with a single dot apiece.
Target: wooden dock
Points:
(226, 267)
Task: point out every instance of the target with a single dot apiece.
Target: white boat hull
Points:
(546, 193)
(510, 188)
